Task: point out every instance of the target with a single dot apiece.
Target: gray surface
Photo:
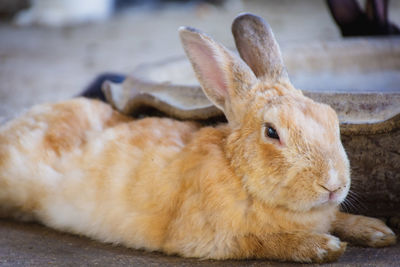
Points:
(23, 244)
(44, 64)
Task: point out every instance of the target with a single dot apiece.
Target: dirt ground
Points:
(40, 64)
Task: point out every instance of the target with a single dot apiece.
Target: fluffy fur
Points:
(210, 192)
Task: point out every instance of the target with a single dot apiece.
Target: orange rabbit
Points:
(267, 184)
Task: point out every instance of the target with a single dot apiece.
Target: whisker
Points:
(352, 206)
(344, 207)
(355, 193)
(357, 199)
(356, 204)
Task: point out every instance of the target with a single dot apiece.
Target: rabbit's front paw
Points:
(373, 233)
(328, 248)
(363, 231)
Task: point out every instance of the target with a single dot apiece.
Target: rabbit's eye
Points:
(271, 132)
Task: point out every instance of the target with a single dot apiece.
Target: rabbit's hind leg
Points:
(37, 148)
(25, 171)
(18, 190)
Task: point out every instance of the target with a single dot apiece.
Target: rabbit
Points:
(267, 184)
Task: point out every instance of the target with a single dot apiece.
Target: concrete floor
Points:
(42, 64)
(34, 245)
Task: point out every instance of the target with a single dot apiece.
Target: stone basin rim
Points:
(147, 93)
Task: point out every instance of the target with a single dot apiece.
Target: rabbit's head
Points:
(285, 147)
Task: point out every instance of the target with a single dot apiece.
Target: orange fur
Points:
(214, 192)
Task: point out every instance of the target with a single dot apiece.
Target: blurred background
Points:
(51, 49)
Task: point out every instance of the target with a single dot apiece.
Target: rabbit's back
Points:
(82, 167)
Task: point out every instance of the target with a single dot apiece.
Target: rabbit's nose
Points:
(332, 188)
(332, 184)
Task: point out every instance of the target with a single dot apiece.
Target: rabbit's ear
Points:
(224, 77)
(257, 46)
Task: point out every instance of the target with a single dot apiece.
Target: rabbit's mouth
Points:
(334, 197)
